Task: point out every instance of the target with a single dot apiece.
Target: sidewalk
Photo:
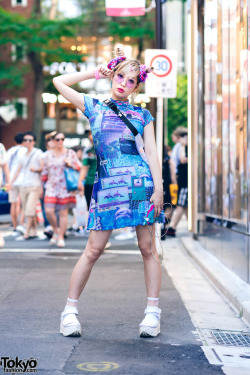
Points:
(217, 300)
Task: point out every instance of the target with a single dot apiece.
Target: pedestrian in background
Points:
(14, 155)
(169, 177)
(4, 168)
(57, 198)
(119, 167)
(31, 166)
(176, 139)
(80, 211)
(49, 144)
(182, 180)
(88, 169)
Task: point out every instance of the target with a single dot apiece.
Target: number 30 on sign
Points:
(162, 65)
(162, 83)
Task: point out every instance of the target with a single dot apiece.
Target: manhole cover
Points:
(232, 338)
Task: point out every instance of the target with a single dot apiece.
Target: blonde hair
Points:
(131, 65)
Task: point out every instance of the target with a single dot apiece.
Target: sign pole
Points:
(161, 84)
(159, 128)
(159, 110)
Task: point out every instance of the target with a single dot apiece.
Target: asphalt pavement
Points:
(34, 281)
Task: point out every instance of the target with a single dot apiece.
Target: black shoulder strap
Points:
(114, 108)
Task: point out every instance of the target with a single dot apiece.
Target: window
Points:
(18, 53)
(225, 103)
(21, 106)
(22, 3)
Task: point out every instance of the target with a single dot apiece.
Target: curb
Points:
(232, 286)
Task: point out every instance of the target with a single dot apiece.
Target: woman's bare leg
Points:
(51, 216)
(94, 248)
(63, 221)
(152, 267)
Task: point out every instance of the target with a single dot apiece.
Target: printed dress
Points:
(123, 182)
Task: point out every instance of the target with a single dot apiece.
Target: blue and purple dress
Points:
(123, 182)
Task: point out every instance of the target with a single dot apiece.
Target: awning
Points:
(8, 112)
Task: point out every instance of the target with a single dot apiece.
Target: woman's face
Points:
(50, 144)
(123, 84)
(184, 140)
(58, 140)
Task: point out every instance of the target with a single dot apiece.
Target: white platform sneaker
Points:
(150, 326)
(70, 325)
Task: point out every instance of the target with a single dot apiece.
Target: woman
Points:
(3, 168)
(57, 198)
(49, 144)
(124, 184)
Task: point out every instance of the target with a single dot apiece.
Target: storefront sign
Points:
(162, 82)
(125, 8)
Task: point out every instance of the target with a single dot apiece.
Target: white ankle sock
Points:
(153, 299)
(71, 300)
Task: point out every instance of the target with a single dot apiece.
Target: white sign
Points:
(162, 82)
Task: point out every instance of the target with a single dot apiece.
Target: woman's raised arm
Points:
(63, 82)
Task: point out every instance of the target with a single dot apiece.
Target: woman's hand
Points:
(8, 186)
(157, 199)
(68, 163)
(104, 72)
(80, 188)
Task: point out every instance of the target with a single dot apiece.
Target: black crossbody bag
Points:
(138, 138)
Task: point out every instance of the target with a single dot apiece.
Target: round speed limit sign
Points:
(162, 65)
(162, 82)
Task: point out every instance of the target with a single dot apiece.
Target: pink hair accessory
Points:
(97, 75)
(143, 73)
(112, 64)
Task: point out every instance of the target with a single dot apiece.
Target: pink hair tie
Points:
(143, 73)
(97, 75)
(112, 64)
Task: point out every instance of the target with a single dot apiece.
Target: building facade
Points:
(16, 111)
(219, 127)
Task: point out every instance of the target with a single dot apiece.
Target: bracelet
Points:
(83, 182)
(97, 75)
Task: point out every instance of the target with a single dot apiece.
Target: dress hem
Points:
(120, 227)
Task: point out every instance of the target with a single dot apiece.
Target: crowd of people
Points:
(31, 175)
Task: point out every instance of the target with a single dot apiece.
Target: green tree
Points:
(40, 39)
(177, 107)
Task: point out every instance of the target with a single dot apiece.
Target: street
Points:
(34, 285)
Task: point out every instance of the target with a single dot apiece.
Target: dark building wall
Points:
(8, 130)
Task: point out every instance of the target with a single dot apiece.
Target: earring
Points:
(111, 84)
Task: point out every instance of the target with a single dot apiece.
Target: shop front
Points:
(219, 124)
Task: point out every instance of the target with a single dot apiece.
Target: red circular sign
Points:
(164, 65)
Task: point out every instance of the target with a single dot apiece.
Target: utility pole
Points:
(159, 110)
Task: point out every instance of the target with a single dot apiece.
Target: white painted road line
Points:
(70, 251)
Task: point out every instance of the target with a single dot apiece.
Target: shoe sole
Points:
(70, 331)
(149, 331)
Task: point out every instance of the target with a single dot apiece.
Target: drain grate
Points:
(232, 338)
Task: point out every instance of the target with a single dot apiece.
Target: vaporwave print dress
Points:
(123, 182)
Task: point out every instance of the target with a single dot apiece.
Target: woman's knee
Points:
(49, 211)
(145, 248)
(93, 253)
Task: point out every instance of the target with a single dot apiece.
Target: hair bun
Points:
(150, 69)
(119, 51)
